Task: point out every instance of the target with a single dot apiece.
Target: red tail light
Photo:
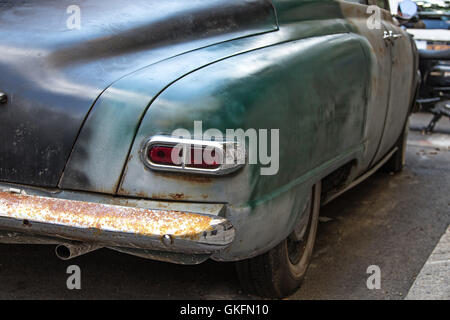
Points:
(173, 154)
(204, 164)
(163, 155)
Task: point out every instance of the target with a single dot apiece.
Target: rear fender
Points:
(320, 117)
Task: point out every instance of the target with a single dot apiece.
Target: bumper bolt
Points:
(167, 240)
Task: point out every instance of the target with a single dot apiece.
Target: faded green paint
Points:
(120, 108)
(319, 114)
(322, 78)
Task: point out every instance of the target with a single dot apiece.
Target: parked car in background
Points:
(432, 36)
(87, 117)
(432, 29)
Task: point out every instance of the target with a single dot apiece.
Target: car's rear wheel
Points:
(280, 271)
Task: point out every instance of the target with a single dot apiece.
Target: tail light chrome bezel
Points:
(226, 149)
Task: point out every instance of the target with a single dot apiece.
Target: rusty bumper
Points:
(113, 225)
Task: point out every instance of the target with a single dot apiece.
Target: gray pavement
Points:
(433, 281)
(391, 221)
(420, 120)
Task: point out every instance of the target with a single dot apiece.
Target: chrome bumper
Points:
(114, 225)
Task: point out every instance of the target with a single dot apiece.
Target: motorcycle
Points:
(434, 94)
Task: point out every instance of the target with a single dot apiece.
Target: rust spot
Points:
(177, 196)
(141, 195)
(171, 196)
(184, 177)
(103, 217)
(121, 202)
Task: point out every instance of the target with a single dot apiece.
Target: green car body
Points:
(338, 92)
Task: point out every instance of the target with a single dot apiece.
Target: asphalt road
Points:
(392, 221)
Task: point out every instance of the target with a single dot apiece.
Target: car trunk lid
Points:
(57, 58)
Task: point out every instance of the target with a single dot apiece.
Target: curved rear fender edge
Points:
(417, 81)
(261, 228)
(319, 115)
(263, 225)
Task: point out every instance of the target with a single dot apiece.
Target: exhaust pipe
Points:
(68, 251)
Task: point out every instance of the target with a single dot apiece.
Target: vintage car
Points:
(94, 98)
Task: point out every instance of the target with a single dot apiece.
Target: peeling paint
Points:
(139, 221)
